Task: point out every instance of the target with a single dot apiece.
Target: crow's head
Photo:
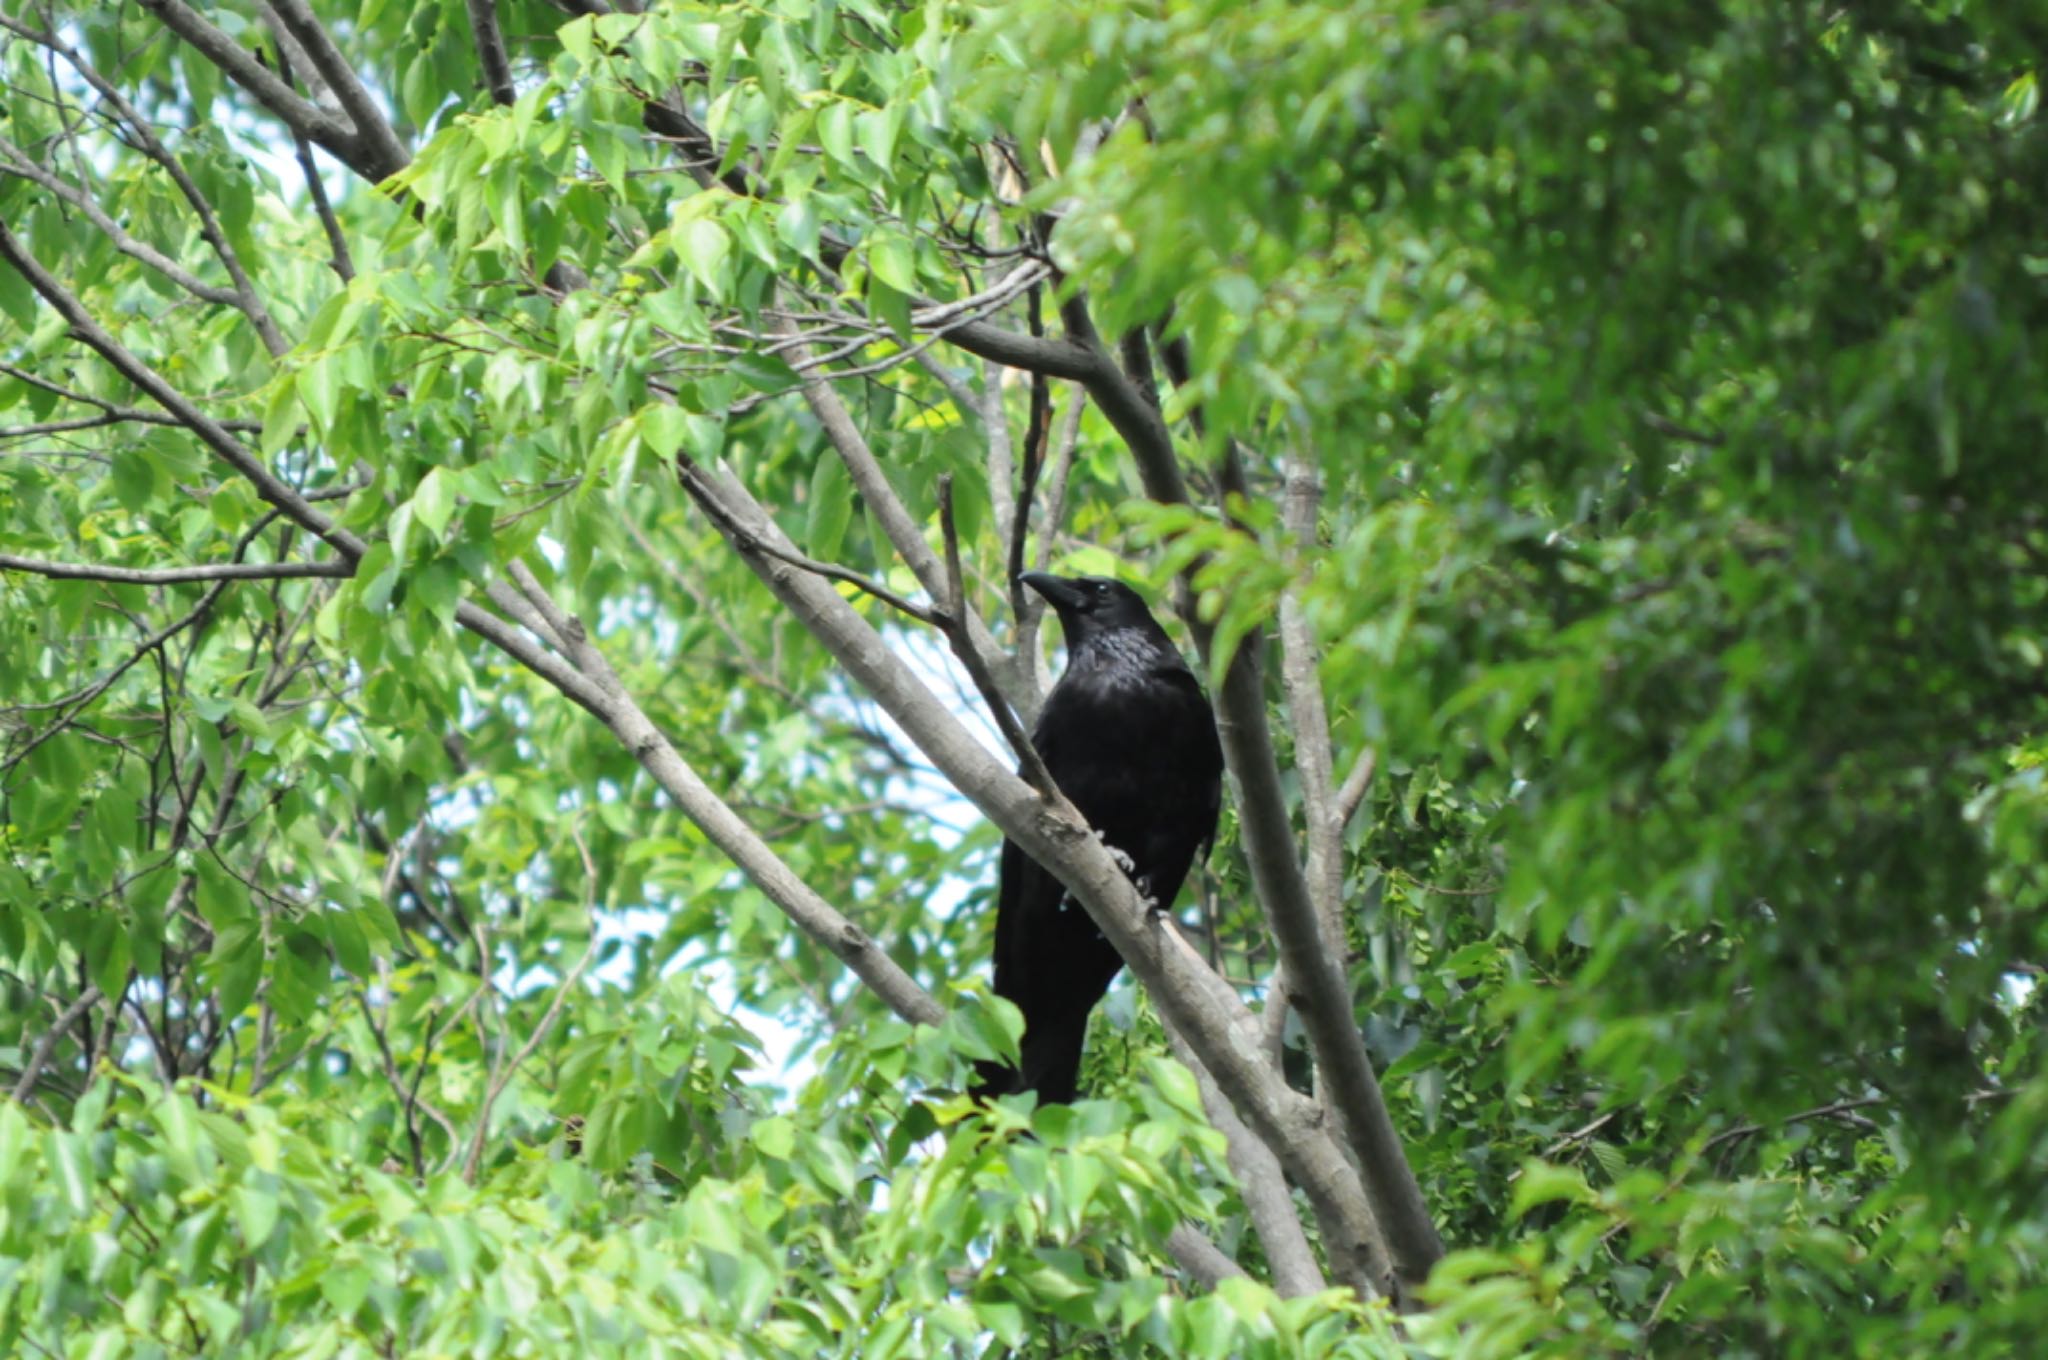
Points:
(1092, 605)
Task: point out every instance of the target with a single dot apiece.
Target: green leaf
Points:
(71, 1168)
(893, 262)
(433, 502)
(256, 1213)
(703, 245)
(1545, 1183)
(17, 298)
(774, 1137)
(830, 508)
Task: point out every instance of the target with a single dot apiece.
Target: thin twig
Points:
(547, 1020)
(1838, 1109)
(1036, 432)
(954, 626)
(343, 263)
(39, 1057)
(748, 541)
(1356, 784)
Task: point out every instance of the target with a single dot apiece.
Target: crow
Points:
(1130, 739)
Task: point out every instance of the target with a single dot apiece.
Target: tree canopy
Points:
(510, 662)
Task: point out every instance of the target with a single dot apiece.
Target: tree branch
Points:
(241, 66)
(230, 449)
(378, 145)
(833, 572)
(39, 1056)
(596, 686)
(1261, 1183)
(219, 571)
(1356, 785)
(1202, 1259)
(14, 162)
(865, 471)
(1035, 772)
(490, 51)
(1315, 979)
(540, 1032)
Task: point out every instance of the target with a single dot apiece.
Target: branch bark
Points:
(1262, 1184)
(39, 1056)
(218, 571)
(299, 114)
(1202, 1259)
(375, 141)
(490, 51)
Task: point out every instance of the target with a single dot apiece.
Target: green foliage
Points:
(1670, 375)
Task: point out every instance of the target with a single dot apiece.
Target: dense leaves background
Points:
(1669, 375)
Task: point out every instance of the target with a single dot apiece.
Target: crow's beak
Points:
(1060, 594)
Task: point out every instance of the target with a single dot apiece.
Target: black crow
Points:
(1130, 738)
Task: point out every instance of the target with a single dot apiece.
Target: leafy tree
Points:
(507, 640)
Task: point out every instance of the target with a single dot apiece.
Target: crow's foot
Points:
(1123, 861)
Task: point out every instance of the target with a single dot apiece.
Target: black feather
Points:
(1130, 738)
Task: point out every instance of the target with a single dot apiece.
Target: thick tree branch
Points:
(382, 153)
(1315, 974)
(490, 51)
(1202, 1259)
(242, 67)
(1261, 1183)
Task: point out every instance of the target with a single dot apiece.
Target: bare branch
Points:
(1264, 1188)
(490, 51)
(1843, 1110)
(219, 571)
(14, 161)
(241, 66)
(1035, 772)
(1308, 716)
(230, 449)
(1315, 981)
(381, 150)
(1356, 785)
(547, 1020)
(341, 261)
(589, 678)
(409, 1094)
(1202, 1259)
(865, 471)
(833, 572)
(39, 1056)
(115, 413)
